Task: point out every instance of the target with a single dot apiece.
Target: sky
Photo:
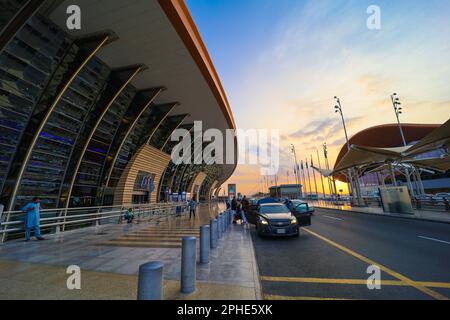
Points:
(281, 62)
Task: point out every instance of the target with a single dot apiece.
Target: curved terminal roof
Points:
(162, 35)
(387, 136)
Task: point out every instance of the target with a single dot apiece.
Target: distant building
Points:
(290, 191)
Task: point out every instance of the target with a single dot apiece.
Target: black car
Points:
(301, 210)
(275, 219)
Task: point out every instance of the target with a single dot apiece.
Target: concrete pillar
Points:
(213, 233)
(188, 264)
(204, 244)
(150, 281)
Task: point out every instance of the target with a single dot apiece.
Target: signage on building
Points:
(232, 190)
(145, 181)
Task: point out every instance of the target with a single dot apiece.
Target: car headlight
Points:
(264, 222)
(294, 221)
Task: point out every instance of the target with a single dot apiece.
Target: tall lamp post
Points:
(354, 186)
(396, 104)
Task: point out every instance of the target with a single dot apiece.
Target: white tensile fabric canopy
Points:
(359, 156)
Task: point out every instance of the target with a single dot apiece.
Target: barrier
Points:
(188, 264)
(213, 232)
(150, 281)
(204, 244)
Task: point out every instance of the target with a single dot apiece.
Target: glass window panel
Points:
(21, 69)
(17, 86)
(30, 55)
(15, 103)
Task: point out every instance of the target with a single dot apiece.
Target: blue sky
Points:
(282, 61)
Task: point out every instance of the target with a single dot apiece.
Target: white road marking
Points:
(432, 239)
(333, 218)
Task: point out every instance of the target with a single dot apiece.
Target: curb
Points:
(258, 290)
(386, 215)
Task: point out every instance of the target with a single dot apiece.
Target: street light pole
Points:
(354, 184)
(398, 111)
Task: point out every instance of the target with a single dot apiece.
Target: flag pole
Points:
(321, 175)
(314, 175)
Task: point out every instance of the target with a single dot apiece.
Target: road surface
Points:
(330, 259)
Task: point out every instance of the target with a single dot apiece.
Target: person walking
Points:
(245, 205)
(192, 207)
(32, 221)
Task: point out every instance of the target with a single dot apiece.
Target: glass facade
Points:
(53, 141)
(138, 136)
(8, 9)
(88, 179)
(27, 64)
(164, 131)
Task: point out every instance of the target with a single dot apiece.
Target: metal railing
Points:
(12, 223)
(417, 203)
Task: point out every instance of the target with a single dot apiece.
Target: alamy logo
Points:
(74, 280)
(73, 22)
(374, 280)
(255, 147)
(374, 20)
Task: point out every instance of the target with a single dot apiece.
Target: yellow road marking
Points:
(275, 297)
(330, 281)
(391, 272)
(353, 281)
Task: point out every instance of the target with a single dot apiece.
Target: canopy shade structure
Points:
(324, 172)
(438, 138)
(437, 164)
(371, 156)
(359, 155)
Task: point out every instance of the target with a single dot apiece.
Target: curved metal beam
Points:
(49, 112)
(127, 134)
(160, 122)
(178, 125)
(91, 134)
(18, 21)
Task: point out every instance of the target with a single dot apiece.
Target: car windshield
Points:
(274, 209)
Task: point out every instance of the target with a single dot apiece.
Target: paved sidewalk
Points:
(433, 216)
(109, 257)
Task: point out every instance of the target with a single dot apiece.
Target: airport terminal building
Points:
(86, 115)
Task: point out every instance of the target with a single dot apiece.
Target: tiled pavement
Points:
(110, 256)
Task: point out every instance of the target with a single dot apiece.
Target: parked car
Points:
(301, 210)
(275, 219)
(441, 196)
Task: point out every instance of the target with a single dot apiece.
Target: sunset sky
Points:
(281, 63)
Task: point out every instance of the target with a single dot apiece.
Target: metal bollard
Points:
(150, 281)
(223, 222)
(188, 264)
(204, 244)
(219, 227)
(213, 233)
